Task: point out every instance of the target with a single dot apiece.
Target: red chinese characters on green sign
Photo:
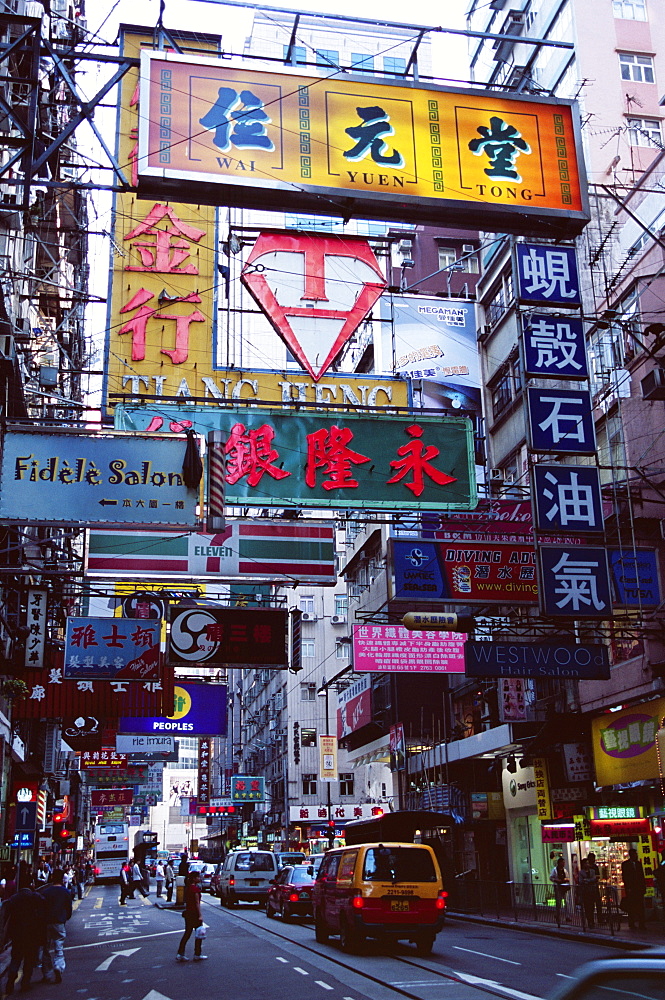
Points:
(336, 460)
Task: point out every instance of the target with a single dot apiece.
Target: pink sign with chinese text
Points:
(392, 648)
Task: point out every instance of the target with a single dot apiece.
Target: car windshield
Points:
(299, 876)
(398, 864)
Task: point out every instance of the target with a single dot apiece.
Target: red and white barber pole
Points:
(315, 290)
(215, 520)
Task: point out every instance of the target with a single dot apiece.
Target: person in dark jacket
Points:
(125, 883)
(25, 926)
(634, 885)
(58, 910)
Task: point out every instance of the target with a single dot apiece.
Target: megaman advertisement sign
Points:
(311, 459)
(284, 141)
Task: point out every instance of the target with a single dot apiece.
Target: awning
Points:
(378, 751)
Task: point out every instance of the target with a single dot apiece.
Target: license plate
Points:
(304, 895)
(399, 904)
(255, 881)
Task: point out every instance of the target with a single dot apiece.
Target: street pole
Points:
(331, 829)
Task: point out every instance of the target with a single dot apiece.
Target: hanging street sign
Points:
(548, 275)
(575, 582)
(207, 635)
(245, 549)
(199, 710)
(371, 147)
(555, 347)
(315, 290)
(567, 499)
(61, 477)
(112, 648)
(561, 420)
(536, 659)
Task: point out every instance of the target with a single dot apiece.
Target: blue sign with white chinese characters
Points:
(24, 841)
(561, 420)
(566, 498)
(574, 582)
(548, 274)
(112, 648)
(555, 347)
(635, 577)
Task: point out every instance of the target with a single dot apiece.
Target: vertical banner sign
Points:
(162, 298)
(36, 623)
(543, 803)
(567, 498)
(548, 275)
(328, 758)
(397, 747)
(205, 762)
(216, 473)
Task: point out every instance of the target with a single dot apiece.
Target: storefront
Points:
(529, 857)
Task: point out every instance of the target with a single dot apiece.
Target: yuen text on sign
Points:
(285, 141)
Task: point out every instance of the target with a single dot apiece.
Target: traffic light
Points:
(330, 833)
(62, 834)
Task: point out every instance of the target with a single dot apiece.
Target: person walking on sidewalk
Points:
(169, 880)
(125, 878)
(634, 885)
(561, 881)
(159, 877)
(193, 918)
(58, 904)
(137, 879)
(588, 890)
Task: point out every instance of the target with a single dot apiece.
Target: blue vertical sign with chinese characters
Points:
(561, 420)
(555, 347)
(548, 275)
(567, 498)
(574, 582)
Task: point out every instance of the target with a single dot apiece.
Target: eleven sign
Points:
(315, 290)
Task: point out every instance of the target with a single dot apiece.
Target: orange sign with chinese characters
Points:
(286, 141)
(162, 303)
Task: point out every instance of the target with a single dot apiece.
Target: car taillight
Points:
(232, 881)
(294, 897)
(357, 902)
(441, 900)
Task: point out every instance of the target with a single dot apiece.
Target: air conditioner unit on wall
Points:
(653, 384)
(338, 619)
(405, 246)
(496, 474)
(308, 616)
(7, 347)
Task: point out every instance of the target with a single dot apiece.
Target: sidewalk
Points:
(624, 938)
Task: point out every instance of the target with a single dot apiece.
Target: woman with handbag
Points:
(193, 919)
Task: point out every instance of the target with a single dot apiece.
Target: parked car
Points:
(636, 973)
(290, 894)
(246, 875)
(388, 891)
(290, 858)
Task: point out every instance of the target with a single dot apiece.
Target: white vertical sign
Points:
(36, 623)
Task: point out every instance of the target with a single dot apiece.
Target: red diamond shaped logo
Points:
(315, 290)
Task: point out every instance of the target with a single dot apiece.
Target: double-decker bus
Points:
(111, 850)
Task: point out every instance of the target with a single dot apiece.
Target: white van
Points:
(246, 875)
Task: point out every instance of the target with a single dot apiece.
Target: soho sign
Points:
(536, 659)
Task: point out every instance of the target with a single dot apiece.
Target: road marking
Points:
(319, 982)
(484, 954)
(107, 961)
(477, 981)
(138, 937)
(98, 903)
(280, 959)
(301, 971)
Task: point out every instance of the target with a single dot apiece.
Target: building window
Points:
(309, 784)
(500, 301)
(507, 386)
(308, 647)
(394, 66)
(342, 650)
(469, 263)
(447, 256)
(630, 10)
(361, 63)
(308, 692)
(644, 132)
(341, 605)
(307, 604)
(638, 69)
(327, 57)
(346, 783)
(308, 737)
(298, 54)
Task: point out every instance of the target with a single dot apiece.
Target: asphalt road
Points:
(128, 953)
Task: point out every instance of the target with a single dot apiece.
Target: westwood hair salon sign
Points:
(536, 659)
